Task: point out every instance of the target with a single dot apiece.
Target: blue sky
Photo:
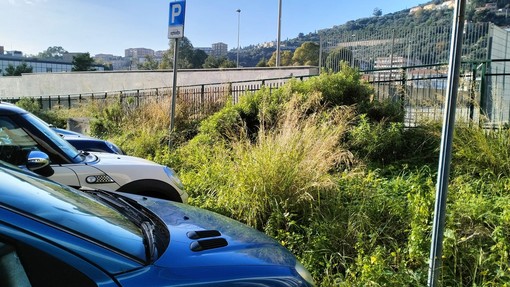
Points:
(110, 26)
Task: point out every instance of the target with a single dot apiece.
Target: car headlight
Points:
(301, 270)
(173, 176)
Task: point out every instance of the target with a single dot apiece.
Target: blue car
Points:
(54, 235)
(86, 143)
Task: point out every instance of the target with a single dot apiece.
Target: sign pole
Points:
(445, 153)
(174, 84)
(175, 31)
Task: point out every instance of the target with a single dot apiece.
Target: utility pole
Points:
(238, 33)
(279, 33)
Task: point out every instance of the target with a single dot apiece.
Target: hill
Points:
(433, 13)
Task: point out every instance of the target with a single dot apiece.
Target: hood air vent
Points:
(206, 244)
(203, 234)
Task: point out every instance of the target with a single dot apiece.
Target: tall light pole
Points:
(238, 33)
(279, 33)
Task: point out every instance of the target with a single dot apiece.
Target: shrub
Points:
(33, 106)
(478, 151)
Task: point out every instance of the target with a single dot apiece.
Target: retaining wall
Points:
(49, 84)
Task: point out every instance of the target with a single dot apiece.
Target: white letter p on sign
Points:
(176, 11)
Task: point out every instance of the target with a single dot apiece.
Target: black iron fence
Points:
(200, 100)
(484, 92)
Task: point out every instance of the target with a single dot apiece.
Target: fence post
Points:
(69, 102)
(483, 91)
(202, 100)
(472, 93)
(403, 90)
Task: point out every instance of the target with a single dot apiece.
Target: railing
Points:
(482, 96)
(484, 92)
(201, 99)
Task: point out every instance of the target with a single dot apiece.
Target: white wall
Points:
(52, 84)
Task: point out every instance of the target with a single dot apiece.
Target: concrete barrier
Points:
(71, 83)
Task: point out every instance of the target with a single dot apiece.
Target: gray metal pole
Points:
(320, 54)
(174, 89)
(279, 33)
(446, 143)
(391, 55)
(238, 33)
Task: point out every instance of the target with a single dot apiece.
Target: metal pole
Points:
(446, 144)
(238, 33)
(174, 89)
(320, 54)
(279, 33)
(391, 55)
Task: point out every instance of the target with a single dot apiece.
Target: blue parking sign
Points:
(176, 19)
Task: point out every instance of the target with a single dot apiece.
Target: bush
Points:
(478, 151)
(53, 117)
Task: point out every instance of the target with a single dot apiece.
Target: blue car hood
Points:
(200, 238)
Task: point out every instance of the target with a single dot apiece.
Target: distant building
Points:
(116, 62)
(138, 53)
(393, 62)
(39, 65)
(267, 44)
(1, 50)
(137, 56)
(14, 53)
(219, 49)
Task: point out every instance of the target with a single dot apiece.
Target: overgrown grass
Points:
(337, 179)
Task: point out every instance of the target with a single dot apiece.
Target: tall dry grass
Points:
(285, 168)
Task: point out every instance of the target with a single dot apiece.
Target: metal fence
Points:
(199, 100)
(410, 64)
(391, 48)
(421, 89)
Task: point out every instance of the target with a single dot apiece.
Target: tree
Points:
(377, 12)
(285, 59)
(336, 57)
(83, 62)
(262, 63)
(222, 62)
(307, 54)
(198, 59)
(22, 68)
(150, 63)
(185, 56)
(55, 52)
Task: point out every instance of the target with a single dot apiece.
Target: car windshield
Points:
(66, 147)
(75, 211)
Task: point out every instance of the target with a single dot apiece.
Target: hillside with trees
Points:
(433, 13)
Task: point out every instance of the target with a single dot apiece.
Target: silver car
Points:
(27, 141)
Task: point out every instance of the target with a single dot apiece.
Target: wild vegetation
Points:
(336, 178)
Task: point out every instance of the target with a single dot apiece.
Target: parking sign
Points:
(176, 19)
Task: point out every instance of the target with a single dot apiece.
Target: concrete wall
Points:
(52, 84)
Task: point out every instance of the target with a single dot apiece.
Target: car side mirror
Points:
(37, 160)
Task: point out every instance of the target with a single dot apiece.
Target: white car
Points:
(27, 141)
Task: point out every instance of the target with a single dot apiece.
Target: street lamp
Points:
(238, 32)
(279, 33)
